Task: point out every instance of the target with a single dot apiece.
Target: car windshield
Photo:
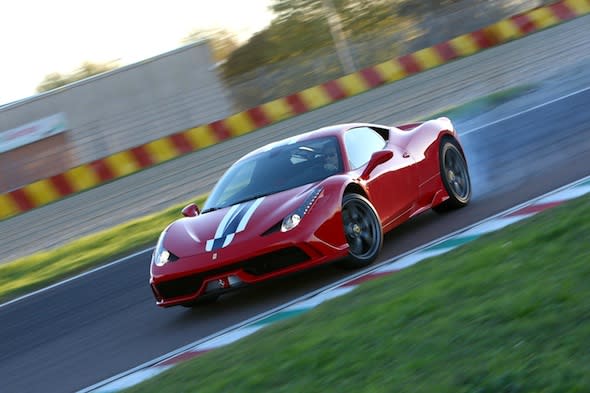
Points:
(280, 167)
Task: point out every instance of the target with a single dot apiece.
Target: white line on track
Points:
(479, 128)
(534, 108)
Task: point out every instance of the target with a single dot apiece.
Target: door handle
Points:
(406, 154)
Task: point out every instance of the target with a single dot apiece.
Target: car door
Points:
(392, 186)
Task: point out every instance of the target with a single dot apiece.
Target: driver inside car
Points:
(330, 159)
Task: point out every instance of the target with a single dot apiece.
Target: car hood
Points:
(234, 224)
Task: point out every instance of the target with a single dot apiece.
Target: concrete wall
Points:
(25, 164)
(131, 105)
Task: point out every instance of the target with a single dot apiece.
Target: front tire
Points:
(455, 176)
(362, 229)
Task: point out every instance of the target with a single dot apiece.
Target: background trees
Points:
(301, 26)
(222, 41)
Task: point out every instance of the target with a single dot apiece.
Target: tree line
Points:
(299, 26)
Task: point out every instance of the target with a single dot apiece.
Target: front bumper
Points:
(186, 288)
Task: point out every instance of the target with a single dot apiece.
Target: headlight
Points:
(293, 219)
(161, 256)
(290, 222)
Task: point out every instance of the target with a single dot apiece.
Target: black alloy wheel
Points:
(455, 176)
(362, 229)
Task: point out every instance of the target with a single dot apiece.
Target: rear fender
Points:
(424, 144)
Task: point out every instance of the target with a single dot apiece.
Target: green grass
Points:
(508, 312)
(484, 104)
(41, 269)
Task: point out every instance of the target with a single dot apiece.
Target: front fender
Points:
(332, 230)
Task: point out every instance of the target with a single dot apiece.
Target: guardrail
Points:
(132, 160)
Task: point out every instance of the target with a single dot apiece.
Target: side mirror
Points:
(191, 210)
(378, 158)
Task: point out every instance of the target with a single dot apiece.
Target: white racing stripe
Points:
(227, 240)
(249, 213)
(221, 227)
(228, 222)
(230, 214)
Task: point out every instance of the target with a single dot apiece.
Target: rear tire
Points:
(455, 176)
(362, 229)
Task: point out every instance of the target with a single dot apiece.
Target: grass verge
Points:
(36, 271)
(508, 312)
(44, 268)
(483, 104)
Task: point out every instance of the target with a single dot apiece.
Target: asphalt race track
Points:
(94, 327)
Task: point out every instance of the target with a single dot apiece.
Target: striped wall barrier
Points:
(126, 162)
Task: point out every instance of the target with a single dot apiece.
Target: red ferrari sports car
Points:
(326, 195)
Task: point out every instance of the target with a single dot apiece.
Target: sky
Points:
(38, 37)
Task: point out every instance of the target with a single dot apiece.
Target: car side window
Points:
(360, 144)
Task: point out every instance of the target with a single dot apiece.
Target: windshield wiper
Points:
(211, 209)
(252, 197)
